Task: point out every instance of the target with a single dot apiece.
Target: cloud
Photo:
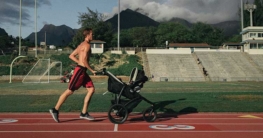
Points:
(209, 11)
(10, 10)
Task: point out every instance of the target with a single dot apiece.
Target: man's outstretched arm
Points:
(72, 56)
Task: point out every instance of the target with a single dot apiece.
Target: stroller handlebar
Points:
(101, 72)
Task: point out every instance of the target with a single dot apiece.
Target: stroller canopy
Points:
(137, 75)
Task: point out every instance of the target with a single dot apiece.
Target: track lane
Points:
(206, 125)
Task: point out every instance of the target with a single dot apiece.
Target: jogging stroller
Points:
(121, 107)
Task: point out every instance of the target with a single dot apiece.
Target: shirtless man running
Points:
(81, 56)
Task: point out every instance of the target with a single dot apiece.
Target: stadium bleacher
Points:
(258, 59)
(229, 66)
(220, 66)
(174, 67)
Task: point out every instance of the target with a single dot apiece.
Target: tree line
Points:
(148, 36)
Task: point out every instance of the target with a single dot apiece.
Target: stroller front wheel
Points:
(118, 114)
(149, 114)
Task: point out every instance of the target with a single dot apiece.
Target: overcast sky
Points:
(66, 12)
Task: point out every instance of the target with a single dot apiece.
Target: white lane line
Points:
(56, 124)
(4, 121)
(116, 128)
(231, 115)
(47, 118)
(48, 114)
(61, 118)
(219, 131)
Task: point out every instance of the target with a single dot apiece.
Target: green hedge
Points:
(20, 67)
(4, 70)
(23, 65)
(5, 59)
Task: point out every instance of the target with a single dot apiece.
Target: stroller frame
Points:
(118, 97)
(118, 112)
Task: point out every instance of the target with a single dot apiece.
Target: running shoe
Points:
(86, 116)
(54, 114)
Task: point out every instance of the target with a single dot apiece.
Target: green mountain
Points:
(54, 35)
(130, 19)
(229, 28)
(2, 32)
(181, 21)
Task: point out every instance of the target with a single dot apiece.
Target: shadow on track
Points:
(165, 113)
(72, 120)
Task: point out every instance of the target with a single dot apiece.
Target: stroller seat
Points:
(137, 79)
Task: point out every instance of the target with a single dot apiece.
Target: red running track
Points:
(197, 125)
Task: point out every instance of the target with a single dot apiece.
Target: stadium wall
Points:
(169, 51)
(129, 52)
(255, 51)
(217, 50)
(97, 50)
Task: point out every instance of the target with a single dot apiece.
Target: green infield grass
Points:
(169, 97)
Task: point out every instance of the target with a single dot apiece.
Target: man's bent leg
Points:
(54, 111)
(90, 90)
(62, 98)
(84, 114)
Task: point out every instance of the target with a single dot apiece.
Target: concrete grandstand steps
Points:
(146, 67)
(174, 67)
(256, 60)
(230, 66)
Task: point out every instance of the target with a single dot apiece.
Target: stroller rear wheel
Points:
(118, 114)
(149, 114)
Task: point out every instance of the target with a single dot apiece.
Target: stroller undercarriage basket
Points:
(120, 108)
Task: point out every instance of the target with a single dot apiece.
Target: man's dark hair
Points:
(86, 31)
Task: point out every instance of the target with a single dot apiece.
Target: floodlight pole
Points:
(251, 17)
(119, 25)
(242, 15)
(250, 8)
(20, 23)
(45, 43)
(11, 66)
(36, 27)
